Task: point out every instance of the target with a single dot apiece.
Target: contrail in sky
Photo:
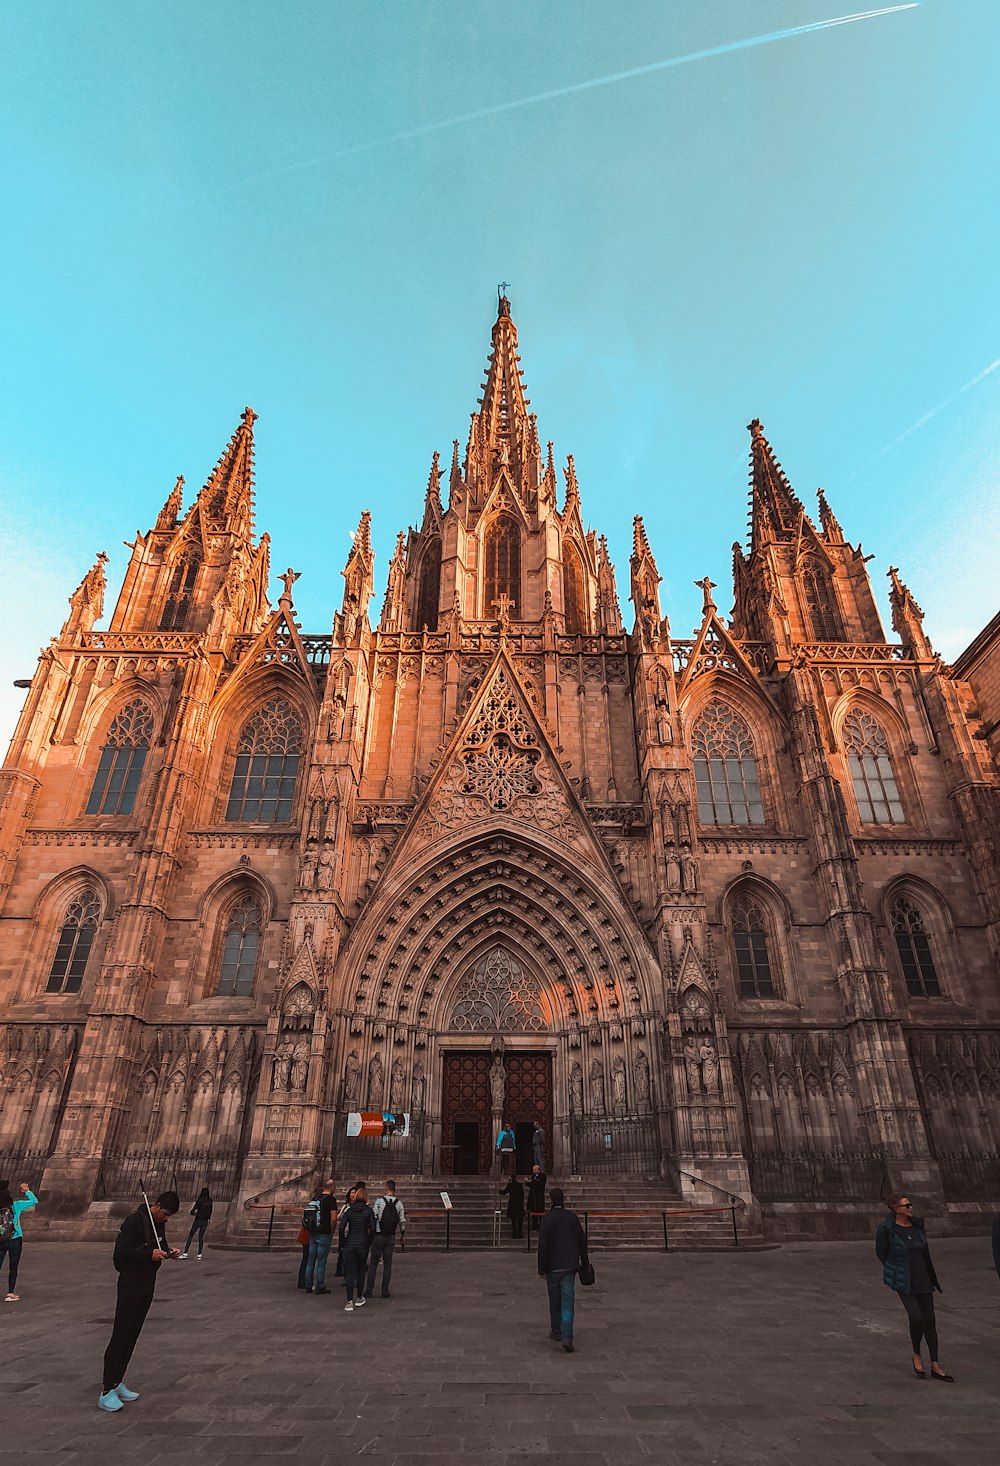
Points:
(587, 86)
(901, 437)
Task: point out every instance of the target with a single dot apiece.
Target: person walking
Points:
(562, 1251)
(901, 1248)
(536, 1196)
(357, 1231)
(390, 1220)
(538, 1145)
(506, 1149)
(202, 1213)
(317, 1219)
(140, 1248)
(514, 1193)
(338, 1271)
(11, 1236)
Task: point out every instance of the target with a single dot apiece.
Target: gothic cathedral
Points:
(723, 911)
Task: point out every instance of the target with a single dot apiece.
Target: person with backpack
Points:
(357, 1231)
(317, 1220)
(139, 1250)
(390, 1220)
(11, 1236)
(202, 1213)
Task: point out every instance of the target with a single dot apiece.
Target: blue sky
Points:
(804, 230)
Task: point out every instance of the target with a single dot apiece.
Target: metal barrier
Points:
(679, 1211)
(297, 1211)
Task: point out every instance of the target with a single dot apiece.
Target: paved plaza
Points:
(793, 1355)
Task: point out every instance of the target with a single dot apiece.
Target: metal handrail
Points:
(703, 1181)
(663, 1214)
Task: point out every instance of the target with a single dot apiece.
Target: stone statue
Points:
(709, 1067)
(618, 1087)
(282, 1071)
(689, 871)
(597, 1097)
(498, 1083)
(352, 1080)
(576, 1090)
(300, 1065)
(692, 1063)
(397, 1087)
(376, 1077)
(640, 1070)
(673, 871)
(417, 1090)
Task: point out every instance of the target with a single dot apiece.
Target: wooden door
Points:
(529, 1098)
(466, 1099)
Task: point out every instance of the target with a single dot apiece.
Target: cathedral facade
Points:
(723, 908)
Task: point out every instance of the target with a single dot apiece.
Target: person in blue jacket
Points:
(11, 1236)
(901, 1248)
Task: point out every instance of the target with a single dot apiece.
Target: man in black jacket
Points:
(562, 1250)
(139, 1250)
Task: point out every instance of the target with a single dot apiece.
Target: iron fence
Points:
(614, 1145)
(22, 1165)
(969, 1177)
(840, 1175)
(369, 1157)
(185, 1172)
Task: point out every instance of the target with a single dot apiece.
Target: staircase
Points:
(474, 1201)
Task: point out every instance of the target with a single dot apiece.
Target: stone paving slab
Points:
(768, 1357)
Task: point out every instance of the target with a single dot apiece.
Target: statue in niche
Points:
(689, 870)
(692, 1065)
(641, 1072)
(281, 1072)
(397, 1087)
(673, 871)
(300, 1065)
(417, 1090)
(597, 1096)
(576, 1090)
(352, 1080)
(709, 1067)
(376, 1078)
(618, 1086)
(498, 1084)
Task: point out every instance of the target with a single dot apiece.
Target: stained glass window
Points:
(574, 590)
(179, 593)
(871, 770)
(429, 587)
(240, 946)
(914, 948)
(819, 603)
(122, 759)
(267, 762)
(725, 769)
(753, 961)
(75, 941)
(503, 563)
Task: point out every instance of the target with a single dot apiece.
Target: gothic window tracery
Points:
(240, 947)
(874, 782)
(914, 948)
(725, 768)
(501, 751)
(502, 557)
(180, 593)
(122, 760)
(498, 994)
(750, 941)
(818, 593)
(429, 587)
(574, 591)
(267, 762)
(76, 939)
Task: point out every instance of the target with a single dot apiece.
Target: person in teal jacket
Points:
(11, 1236)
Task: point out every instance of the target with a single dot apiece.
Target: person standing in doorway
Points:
(538, 1145)
(562, 1251)
(514, 1193)
(390, 1222)
(318, 1222)
(139, 1250)
(506, 1149)
(357, 1231)
(536, 1197)
(901, 1248)
(202, 1213)
(11, 1236)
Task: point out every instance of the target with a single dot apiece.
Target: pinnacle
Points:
(775, 509)
(363, 537)
(229, 490)
(640, 544)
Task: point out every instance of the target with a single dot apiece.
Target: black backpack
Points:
(6, 1223)
(311, 1216)
(389, 1220)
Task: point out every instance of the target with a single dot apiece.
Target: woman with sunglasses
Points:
(901, 1248)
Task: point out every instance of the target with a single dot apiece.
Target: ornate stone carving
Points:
(498, 995)
(576, 1090)
(352, 1080)
(640, 1070)
(618, 1083)
(376, 1080)
(597, 1095)
(709, 1067)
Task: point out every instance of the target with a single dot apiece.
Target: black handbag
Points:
(587, 1275)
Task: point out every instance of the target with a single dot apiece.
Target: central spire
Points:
(504, 434)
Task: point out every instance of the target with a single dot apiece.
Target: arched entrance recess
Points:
(407, 979)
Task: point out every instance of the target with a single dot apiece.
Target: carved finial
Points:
(755, 428)
(248, 417)
(706, 587)
(288, 580)
(503, 304)
(504, 605)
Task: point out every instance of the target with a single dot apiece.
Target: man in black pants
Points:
(139, 1250)
(390, 1218)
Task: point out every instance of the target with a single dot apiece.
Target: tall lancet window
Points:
(267, 762)
(725, 769)
(871, 770)
(180, 593)
(753, 960)
(76, 938)
(574, 590)
(914, 948)
(240, 945)
(821, 615)
(122, 758)
(429, 587)
(503, 564)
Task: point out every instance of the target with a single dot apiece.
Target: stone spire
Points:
(645, 584)
(455, 484)
(608, 609)
(774, 507)
(829, 521)
(170, 513)
(358, 576)
(228, 494)
(86, 604)
(572, 487)
(394, 606)
(503, 435)
(907, 618)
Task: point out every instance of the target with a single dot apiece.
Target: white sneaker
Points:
(360, 1302)
(199, 1257)
(183, 1256)
(348, 1307)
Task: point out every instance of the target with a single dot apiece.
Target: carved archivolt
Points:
(498, 995)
